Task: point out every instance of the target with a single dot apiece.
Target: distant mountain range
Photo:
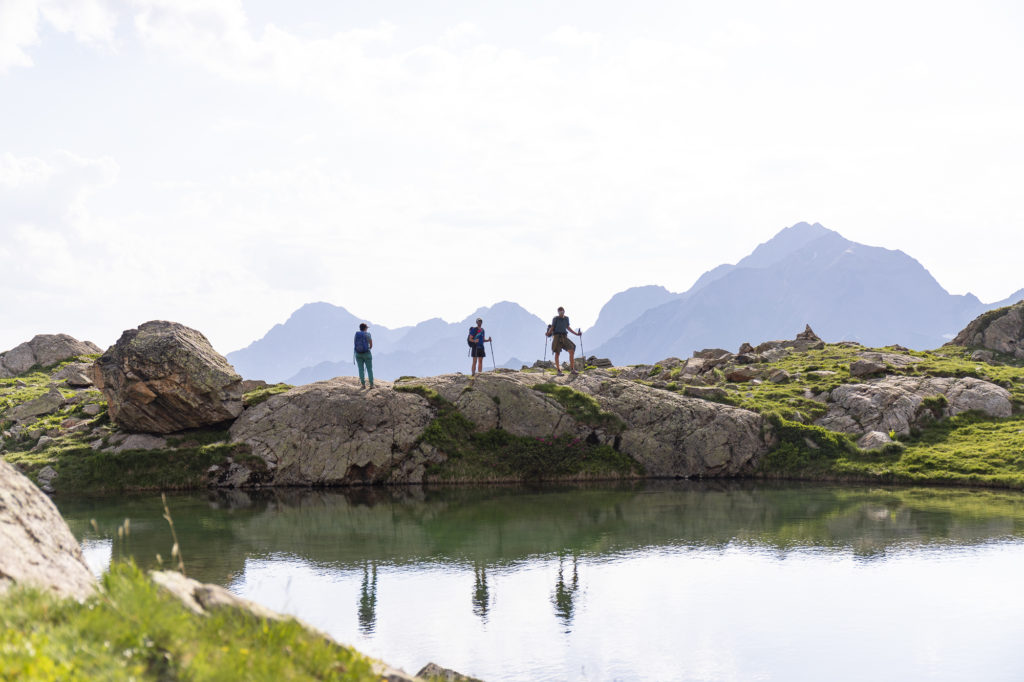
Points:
(316, 343)
(806, 274)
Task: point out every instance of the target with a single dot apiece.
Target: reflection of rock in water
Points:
(564, 595)
(368, 599)
(481, 597)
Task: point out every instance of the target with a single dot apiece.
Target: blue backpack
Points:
(362, 342)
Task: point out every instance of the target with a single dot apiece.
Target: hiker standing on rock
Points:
(476, 342)
(559, 329)
(363, 342)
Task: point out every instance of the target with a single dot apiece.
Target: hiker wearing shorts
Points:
(559, 330)
(477, 340)
(363, 342)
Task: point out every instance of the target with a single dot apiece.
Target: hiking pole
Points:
(491, 344)
(581, 350)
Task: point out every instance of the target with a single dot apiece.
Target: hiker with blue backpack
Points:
(476, 340)
(363, 342)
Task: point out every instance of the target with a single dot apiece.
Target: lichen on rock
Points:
(165, 377)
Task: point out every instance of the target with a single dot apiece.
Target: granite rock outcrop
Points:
(901, 403)
(43, 350)
(999, 330)
(333, 432)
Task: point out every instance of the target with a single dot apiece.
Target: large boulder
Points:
(335, 433)
(332, 432)
(36, 546)
(999, 330)
(165, 377)
(43, 350)
(899, 403)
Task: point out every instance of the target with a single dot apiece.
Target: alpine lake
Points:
(657, 580)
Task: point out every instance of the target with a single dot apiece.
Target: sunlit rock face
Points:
(165, 377)
(333, 432)
(999, 330)
(43, 350)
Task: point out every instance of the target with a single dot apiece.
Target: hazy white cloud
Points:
(18, 30)
(50, 193)
(570, 36)
(270, 164)
(92, 22)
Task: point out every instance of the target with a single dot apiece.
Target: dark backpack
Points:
(362, 343)
(469, 339)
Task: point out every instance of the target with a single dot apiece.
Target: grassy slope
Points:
(966, 449)
(80, 468)
(133, 630)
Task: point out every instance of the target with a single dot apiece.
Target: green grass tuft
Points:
(259, 395)
(582, 407)
(132, 629)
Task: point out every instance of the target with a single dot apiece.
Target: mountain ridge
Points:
(805, 273)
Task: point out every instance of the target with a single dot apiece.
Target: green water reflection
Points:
(624, 581)
(494, 526)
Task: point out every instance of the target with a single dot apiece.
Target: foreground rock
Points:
(165, 377)
(999, 330)
(43, 350)
(334, 433)
(36, 546)
(899, 403)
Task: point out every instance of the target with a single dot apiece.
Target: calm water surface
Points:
(656, 581)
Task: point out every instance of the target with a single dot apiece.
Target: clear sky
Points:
(220, 163)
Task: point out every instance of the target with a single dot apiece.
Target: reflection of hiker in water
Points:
(368, 599)
(481, 597)
(565, 594)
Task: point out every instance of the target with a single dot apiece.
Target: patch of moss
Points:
(432, 396)
(497, 455)
(132, 629)
(803, 449)
(80, 469)
(259, 395)
(936, 404)
(582, 407)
